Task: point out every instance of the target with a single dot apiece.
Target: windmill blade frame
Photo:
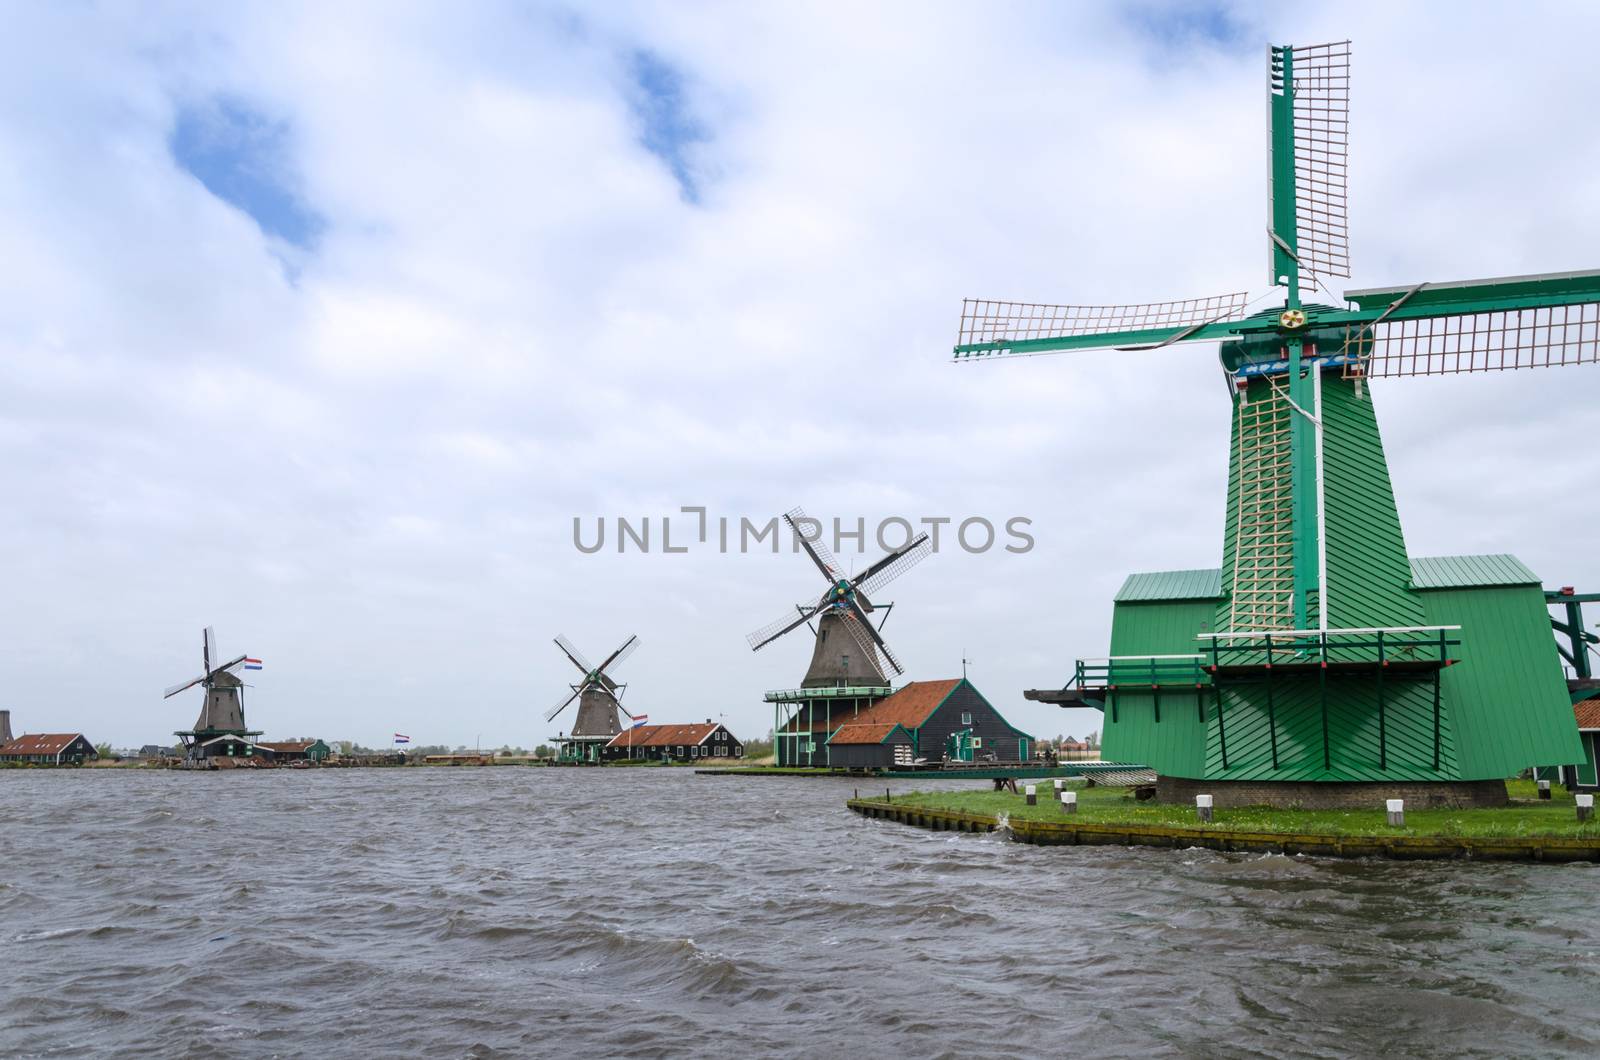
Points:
(229, 667)
(618, 657)
(1494, 324)
(571, 651)
(893, 565)
(868, 639)
(778, 627)
(208, 648)
(577, 690)
(1309, 160)
(989, 328)
(184, 687)
(818, 549)
(615, 699)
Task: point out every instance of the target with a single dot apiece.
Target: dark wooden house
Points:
(871, 745)
(297, 750)
(231, 745)
(945, 720)
(1584, 775)
(49, 749)
(674, 743)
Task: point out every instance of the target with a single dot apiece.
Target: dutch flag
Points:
(401, 738)
(252, 664)
(640, 719)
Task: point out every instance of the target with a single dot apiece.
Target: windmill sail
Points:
(571, 652)
(550, 714)
(894, 564)
(991, 327)
(779, 626)
(815, 547)
(1308, 156)
(867, 639)
(1485, 325)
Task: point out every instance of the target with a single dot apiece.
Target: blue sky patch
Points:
(667, 129)
(243, 157)
(1174, 25)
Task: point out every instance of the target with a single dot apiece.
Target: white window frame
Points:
(966, 717)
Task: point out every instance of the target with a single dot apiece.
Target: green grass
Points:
(1524, 817)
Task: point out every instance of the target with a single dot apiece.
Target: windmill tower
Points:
(222, 709)
(1322, 660)
(849, 658)
(599, 700)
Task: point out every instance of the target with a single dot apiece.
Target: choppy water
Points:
(481, 912)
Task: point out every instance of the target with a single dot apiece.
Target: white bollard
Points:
(1585, 806)
(1397, 813)
(1202, 807)
(1544, 789)
(1032, 792)
(1061, 782)
(1069, 802)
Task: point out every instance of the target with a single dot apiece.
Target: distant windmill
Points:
(222, 710)
(599, 699)
(849, 649)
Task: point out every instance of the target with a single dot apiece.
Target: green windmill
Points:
(1320, 653)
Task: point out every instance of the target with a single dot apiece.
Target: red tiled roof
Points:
(858, 733)
(662, 735)
(910, 706)
(1588, 713)
(40, 743)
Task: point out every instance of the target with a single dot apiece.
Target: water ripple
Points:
(516, 912)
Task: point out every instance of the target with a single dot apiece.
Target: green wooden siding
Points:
(1175, 745)
(1503, 708)
(1508, 697)
(1369, 574)
(1369, 580)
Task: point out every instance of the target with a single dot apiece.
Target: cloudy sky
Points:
(320, 324)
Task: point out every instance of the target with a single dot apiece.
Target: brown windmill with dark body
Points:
(599, 699)
(220, 731)
(850, 661)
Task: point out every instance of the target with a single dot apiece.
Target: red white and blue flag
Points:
(640, 719)
(401, 738)
(252, 664)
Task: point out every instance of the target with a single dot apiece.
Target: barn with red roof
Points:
(928, 721)
(49, 749)
(674, 743)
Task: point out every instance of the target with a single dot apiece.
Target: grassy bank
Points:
(1526, 816)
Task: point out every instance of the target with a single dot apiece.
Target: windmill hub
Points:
(1292, 318)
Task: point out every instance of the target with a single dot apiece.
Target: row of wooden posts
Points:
(1203, 804)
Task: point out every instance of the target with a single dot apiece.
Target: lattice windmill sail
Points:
(1312, 544)
(849, 650)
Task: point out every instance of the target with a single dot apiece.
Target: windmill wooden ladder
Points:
(1263, 573)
